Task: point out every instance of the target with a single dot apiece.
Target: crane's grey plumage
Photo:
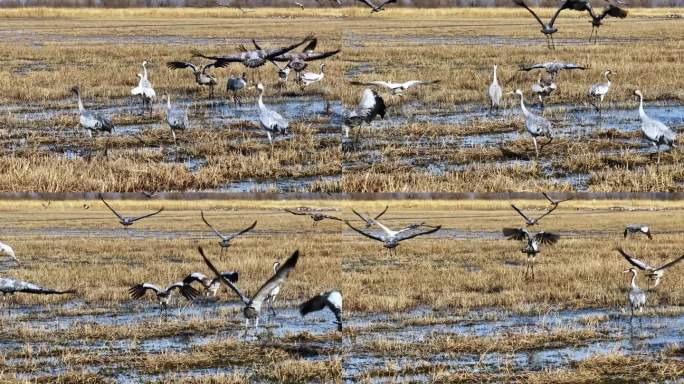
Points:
(600, 90)
(638, 228)
(391, 239)
(236, 84)
(369, 222)
(653, 273)
(251, 59)
(552, 67)
(11, 286)
(252, 306)
(331, 300)
(495, 92)
(653, 130)
(370, 106)
(544, 87)
(377, 8)
(636, 297)
(597, 19)
(533, 221)
(548, 29)
(210, 285)
(126, 221)
(224, 243)
(89, 120)
(396, 88)
(163, 295)
(144, 88)
(7, 250)
(202, 77)
(536, 125)
(298, 61)
(532, 243)
(176, 118)
(315, 216)
(271, 121)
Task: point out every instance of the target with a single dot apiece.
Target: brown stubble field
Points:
(405, 313)
(48, 50)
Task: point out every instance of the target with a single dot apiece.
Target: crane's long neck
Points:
(80, 103)
(522, 105)
(495, 81)
(168, 102)
(261, 98)
(634, 284)
(144, 71)
(642, 114)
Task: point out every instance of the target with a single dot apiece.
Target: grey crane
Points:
(377, 8)
(600, 90)
(370, 106)
(252, 306)
(495, 92)
(271, 121)
(144, 88)
(224, 243)
(653, 130)
(176, 118)
(236, 84)
(11, 286)
(126, 221)
(638, 228)
(533, 221)
(315, 216)
(536, 125)
(330, 299)
(555, 202)
(532, 244)
(548, 29)
(163, 295)
(369, 222)
(211, 286)
(202, 77)
(552, 67)
(89, 120)
(544, 87)
(653, 273)
(597, 19)
(391, 239)
(307, 78)
(397, 89)
(270, 299)
(7, 250)
(299, 61)
(636, 297)
(251, 58)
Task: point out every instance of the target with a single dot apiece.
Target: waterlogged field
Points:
(436, 138)
(453, 306)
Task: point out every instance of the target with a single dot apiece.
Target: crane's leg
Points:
(536, 147)
(596, 36)
(173, 133)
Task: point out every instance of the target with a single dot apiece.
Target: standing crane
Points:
(636, 297)
(536, 125)
(236, 84)
(89, 120)
(653, 273)
(653, 130)
(176, 118)
(144, 88)
(270, 120)
(202, 78)
(494, 92)
(600, 90)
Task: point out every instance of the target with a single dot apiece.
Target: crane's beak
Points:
(627, 271)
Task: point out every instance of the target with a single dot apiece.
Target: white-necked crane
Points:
(126, 221)
(369, 222)
(494, 92)
(7, 250)
(202, 78)
(252, 306)
(653, 273)
(224, 243)
(315, 216)
(163, 295)
(391, 239)
(331, 300)
(144, 88)
(210, 285)
(533, 221)
(89, 120)
(599, 91)
(270, 299)
(653, 130)
(636, 297)
(532, 244)
(637, 228)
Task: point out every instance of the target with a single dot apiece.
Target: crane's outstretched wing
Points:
(181, 65)
(296, 213)
(524, 5)
(332, 217)
(276, 280)
(547, 238)
(555, 202)
(368, 3)
(412, 83)
(516, 233)
(429, 231)
(244, 230)
(313, 56)
(381, 213)
(524, 216)
(558, 11)
(138, 291)
(187, 291)
(148, 215)
(671, 263)
(197, 276)
(226, 281)
(111, 209)
(548, 212)
(311, 46)
(385, 3)
(11, 285)
(388, 231)
(210, 226)
(612, 10)
(635, 262)
(361, 217)
(364, 233)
